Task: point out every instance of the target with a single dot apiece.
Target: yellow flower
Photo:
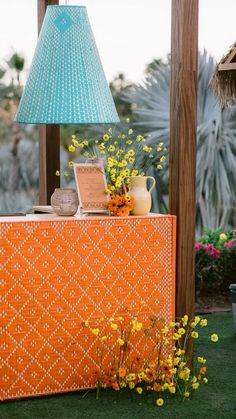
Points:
(185, 320)
(205, 380)
(111, 148)
(214, 337)
(159, 148)
(131, 385)
(176, 336)
(71, 163)
(186, 394)
(197, 319)
(159, 402)
(103, 338)
(139, 138)
(65, 174)
(110, 130)
(57, 173)
(176, 360)
(75, 142)
(193, 324)
(223, 236)
(139, 390)
(182, 364)
(161, 144)
(162, 159)
(130, 377)
(195, 385)
(131, 160)
(165, 330)
(129, 142)
(131, 152)
(130, 131)
(136, 326)
(101, 146)
(86, 323)
(159, 167)
(203, 322)
(114, 326)
(194, 335)
(105, 137)
(95, 331)
(134, 172)
(201, 360)
(71, 148)
(120, 341)
(85, 142)
(181, 331)
(127, 120)
(184, 375)
(147, 149)
(178, 352)
(194, 379)
(172, 389)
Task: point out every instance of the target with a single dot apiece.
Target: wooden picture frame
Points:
(91, 185)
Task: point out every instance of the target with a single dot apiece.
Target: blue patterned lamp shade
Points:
(66, 83)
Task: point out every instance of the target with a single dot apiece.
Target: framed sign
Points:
(91, 184)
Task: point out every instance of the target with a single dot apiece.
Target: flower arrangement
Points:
(121, 205)
(163, 370)
(125, 153)
(215, 260)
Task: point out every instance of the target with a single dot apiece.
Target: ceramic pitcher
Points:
(142, 196)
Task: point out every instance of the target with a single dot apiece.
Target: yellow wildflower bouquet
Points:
(160, 367)
(124, 154)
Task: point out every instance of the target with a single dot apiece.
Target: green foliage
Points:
(215, 261)
(216, 139)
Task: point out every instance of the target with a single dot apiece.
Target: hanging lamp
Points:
(66, 82)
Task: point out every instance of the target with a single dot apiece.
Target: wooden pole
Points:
(49, 140)
(183, 121)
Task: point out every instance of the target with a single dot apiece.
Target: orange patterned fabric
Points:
(57, 273)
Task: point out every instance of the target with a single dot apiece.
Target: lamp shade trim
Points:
(66, 82)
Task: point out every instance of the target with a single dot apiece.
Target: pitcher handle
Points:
(124, 186)
(153, 183)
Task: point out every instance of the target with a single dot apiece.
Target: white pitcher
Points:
(142, 196)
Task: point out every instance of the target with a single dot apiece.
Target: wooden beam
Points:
(49, 140)
(183, 121)
(227, 66)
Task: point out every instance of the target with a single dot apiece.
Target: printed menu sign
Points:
(91, 185)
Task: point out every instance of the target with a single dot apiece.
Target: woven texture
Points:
(66, 83)
(56, 274)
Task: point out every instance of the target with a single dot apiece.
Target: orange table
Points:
(56, 272)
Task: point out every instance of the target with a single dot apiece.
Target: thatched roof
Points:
(223, 80)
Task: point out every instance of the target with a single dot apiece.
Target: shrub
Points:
(215, 260)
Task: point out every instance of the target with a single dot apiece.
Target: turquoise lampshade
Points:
(66, 83)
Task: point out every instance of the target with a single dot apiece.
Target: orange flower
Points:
(122, 372)
(115, 386)
(122, 211)
(202, 370)
(156, 387)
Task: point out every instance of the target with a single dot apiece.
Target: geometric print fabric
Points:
(57, 273)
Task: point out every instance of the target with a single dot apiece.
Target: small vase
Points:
(142, 196)
(64, 201)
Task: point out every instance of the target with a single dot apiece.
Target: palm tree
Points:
(216, 140)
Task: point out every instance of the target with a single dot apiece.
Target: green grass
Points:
(217, 399)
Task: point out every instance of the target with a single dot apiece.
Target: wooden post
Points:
(183, 121)
(49, 140)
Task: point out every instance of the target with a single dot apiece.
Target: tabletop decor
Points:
(64, 201)
(163, 370)
(127, 156)
(91, 186)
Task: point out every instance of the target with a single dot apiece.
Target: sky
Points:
(128, 33)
